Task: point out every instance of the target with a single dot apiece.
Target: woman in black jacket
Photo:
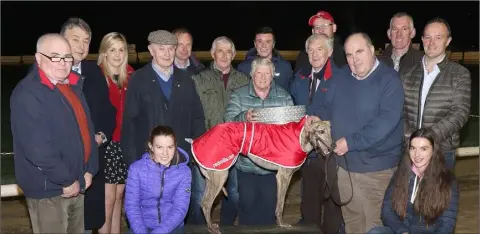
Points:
(422, 196)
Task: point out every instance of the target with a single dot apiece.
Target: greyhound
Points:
(317, 136)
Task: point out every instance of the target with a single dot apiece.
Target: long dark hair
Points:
(163, 131)
(434, 191)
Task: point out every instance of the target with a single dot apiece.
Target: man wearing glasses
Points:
(53, 140)
(323, 23)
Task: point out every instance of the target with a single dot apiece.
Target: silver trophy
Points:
(279, 115)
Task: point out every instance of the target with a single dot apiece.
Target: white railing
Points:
(12, 190)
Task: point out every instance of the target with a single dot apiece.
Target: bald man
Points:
(365, 110)
(53, 140)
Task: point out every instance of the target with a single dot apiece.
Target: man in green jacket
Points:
(214, 86)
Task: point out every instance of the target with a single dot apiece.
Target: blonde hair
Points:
(107, 42)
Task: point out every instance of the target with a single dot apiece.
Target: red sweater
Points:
(80, 115)
(117, 98)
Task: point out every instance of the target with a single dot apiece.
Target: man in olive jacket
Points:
(214, 86)
(437, 91)
(400, 54)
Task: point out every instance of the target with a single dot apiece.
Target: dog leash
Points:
(327, 188)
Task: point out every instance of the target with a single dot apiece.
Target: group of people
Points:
(118, 131)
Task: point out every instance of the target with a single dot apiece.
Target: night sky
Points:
(24, 22)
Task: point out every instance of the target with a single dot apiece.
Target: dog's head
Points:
(318, 137)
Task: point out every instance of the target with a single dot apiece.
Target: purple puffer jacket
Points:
(149, 183)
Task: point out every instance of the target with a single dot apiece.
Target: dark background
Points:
(23, 22)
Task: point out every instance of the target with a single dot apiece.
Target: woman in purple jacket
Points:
(158, 186)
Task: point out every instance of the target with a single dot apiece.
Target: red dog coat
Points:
(219, 147)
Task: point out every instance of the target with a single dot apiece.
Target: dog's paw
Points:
(214, 229)
(284, 225)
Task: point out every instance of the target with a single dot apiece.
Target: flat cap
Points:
(162, 37)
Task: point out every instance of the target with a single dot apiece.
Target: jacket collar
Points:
(73, 78)
(194, 60)
(214, 68)
(441, 65)
(306, 72)
(389, 50)
(252, 54)
(182, 159)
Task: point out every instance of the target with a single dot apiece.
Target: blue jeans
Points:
(450, 159)
(381, 230)
(229, 209)
(195, 214)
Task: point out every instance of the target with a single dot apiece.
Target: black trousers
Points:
(257, 198)
(316, 209)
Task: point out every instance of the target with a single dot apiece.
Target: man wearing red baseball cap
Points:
(315, 210)
(323, 22)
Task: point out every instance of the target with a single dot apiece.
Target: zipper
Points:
(161, 194)
(44, 178)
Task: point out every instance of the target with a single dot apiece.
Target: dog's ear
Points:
(327, 122)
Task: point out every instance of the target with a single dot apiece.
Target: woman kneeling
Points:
(423, 195)
(158, 186)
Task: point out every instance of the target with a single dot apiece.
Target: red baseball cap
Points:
(320, 14)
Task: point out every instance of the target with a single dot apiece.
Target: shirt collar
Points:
(180, 66)
(400, 56)
(373, 69)
(55, 82)
(313, 69)
(436, 67)
(162, 75)
(78, 68)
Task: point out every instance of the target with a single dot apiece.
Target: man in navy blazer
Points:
(310, 84)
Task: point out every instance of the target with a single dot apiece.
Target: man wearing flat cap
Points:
(323, 23)
(160, 94)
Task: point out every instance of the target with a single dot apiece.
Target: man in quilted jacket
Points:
(437, 91)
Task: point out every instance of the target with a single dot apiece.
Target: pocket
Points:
(210, 91)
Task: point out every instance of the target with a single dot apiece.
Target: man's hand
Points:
(342, 147)
(311, 119)
(88, 180)
(250, 117)
(72, 190)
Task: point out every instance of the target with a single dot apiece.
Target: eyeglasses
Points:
(322, 26)
(67, 59)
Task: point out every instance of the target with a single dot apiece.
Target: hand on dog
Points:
(250, 117)
(311, 119)
(342, 147)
